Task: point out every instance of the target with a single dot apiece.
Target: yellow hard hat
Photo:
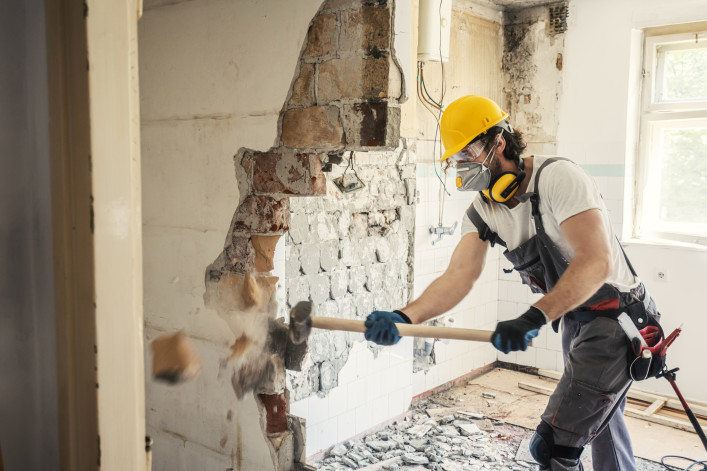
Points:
(465, 119)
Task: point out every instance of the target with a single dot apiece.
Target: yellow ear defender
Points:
(504, 186)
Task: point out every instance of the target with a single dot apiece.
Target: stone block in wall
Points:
(364, 304)
(299, 228)
(297, 290)
(339, 284)
(239, 254)
(261, 214)
(381, 77)
(340, 78)
(366, 28)
(319, 288)
(303, 88)
(313, 127)
(341, 4)
(328, 376)
(371, 125)
(322, 37)
(329, 255)
(319, 346)
(310, 256)
(295, 174)
(356, 77)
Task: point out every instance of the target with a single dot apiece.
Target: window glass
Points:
(670, 192)
(683, 160)
(681, 72)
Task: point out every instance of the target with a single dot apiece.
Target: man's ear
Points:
(501, 143)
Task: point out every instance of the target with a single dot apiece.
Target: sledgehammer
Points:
(302, 321)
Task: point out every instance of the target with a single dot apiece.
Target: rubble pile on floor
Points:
(442, 439)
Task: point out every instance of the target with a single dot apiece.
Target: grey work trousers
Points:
(588, 403)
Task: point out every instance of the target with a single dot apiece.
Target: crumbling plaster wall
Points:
(346, 80)
(214, 77)
(533, 48)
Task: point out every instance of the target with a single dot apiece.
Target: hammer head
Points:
(301, 321)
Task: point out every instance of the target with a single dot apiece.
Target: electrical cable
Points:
(438, 106)
(443, 188)
(694, 463)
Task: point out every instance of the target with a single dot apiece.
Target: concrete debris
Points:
(471, 415)
(441, 439)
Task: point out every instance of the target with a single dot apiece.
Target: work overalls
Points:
(588, 402)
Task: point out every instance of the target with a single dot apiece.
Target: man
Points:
(551, 218)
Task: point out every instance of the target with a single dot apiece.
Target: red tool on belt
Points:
(656, 345)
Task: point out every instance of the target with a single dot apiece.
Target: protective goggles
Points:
(469, 153)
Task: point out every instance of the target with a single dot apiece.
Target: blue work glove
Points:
(380, 326)
(516, 334)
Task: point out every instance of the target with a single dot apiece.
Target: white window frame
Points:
(653, 116)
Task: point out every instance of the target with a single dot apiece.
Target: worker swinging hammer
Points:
(550, 217)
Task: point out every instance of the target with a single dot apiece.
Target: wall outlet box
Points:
(348, 182)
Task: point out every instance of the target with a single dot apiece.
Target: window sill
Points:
(664, 243)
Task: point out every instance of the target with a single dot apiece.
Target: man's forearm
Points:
(442, 295)
(583, 277)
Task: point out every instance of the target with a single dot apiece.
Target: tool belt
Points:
(648, 345)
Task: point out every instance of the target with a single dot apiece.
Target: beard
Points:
(495, 169)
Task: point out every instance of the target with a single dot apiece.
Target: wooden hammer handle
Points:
(406, 330)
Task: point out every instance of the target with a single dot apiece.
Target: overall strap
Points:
(536, 203)
(485, 233)
(535, 195)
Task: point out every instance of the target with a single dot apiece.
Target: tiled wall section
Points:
(453, 358)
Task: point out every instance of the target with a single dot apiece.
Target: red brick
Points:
(261, 214)
(290, 174)
(313, 127)
(276, 412)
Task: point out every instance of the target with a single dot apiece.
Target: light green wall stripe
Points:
(605, 170)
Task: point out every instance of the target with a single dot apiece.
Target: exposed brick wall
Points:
(344, 97)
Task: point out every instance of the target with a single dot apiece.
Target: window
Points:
(671, 173)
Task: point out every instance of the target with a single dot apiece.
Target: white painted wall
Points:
(214, 76)
(593, 131)
(28, 408)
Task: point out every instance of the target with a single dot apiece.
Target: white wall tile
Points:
(346, 427)
(318, 410)
(300, 408)
(358, 393)
(527, 358)
(338, 400)
(547, 359)
(364, 418)
(321, 436)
